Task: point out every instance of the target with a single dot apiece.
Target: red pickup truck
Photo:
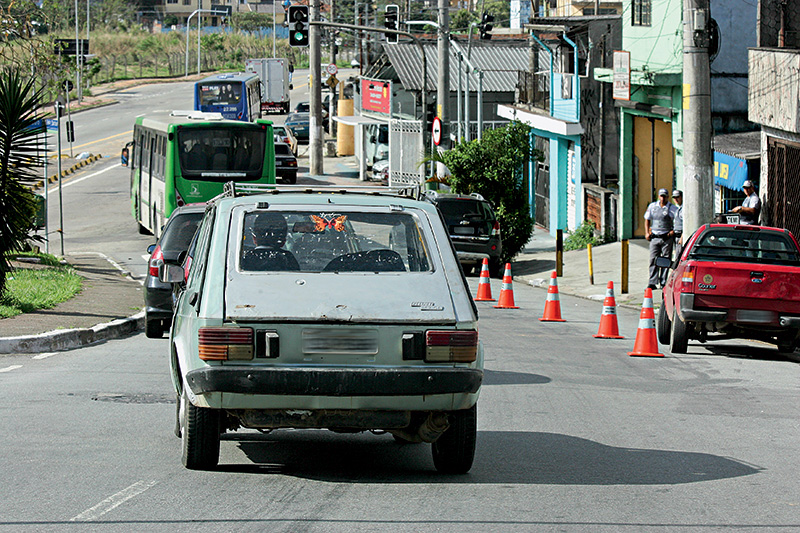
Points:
(733, 281)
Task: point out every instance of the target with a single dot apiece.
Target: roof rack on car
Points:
(232, 189)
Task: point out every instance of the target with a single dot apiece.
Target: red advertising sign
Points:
(376, 96)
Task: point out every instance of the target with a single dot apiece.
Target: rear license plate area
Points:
(333, 341)
(755, 316)
(463, 230)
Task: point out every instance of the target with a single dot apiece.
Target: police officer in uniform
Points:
(659, 220)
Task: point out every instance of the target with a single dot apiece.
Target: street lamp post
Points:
(189, 25)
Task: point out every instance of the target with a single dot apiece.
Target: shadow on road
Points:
(502, 457)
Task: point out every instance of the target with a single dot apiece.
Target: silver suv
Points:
(344, 310)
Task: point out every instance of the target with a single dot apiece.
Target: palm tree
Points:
(20, 155)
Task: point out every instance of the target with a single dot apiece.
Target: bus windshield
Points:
(218, 154)
(217, 93)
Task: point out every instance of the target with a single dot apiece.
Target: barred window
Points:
(642, 12)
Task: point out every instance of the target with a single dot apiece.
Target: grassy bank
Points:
(42, 285)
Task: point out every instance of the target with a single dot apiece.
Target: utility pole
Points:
(443, 82)
(316, 132)
(698, 183)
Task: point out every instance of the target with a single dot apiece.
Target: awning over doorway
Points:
(733, 154)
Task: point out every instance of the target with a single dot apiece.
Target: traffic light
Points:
(298, 25)
(486, 25)
(390, 22)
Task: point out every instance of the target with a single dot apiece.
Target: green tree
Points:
(250, 22)
(461, 20)
(20, 156)
(492, 167)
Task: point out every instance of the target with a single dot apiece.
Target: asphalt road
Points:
(574, 435)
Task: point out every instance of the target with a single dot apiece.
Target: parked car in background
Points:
(298, 124)
(733, 281)
(284, 135)
(474, 229)
(175, 238)
(380, 171)
(339, 309)
(305, 107)
(285, 163)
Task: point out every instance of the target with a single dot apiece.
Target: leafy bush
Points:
(582, 237)
(492, 167)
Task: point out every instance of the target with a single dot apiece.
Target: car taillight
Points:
(451, 346)
(291, 163)
(156, 260)
(225, 344)
(496, 229)
(187, 264)
(179, 199)
(687, 278)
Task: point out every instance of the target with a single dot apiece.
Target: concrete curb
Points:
(64, 173)
(69, 339)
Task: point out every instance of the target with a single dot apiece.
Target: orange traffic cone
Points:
(609, 329)
(506, 300)
(552, 307)
(484, 287)
(646, 344)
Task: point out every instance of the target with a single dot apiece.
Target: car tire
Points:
(663, 326)
(291, 179)
(153, 328)
(680, 335)
(199, 435)
(454, 451)
(496, 268)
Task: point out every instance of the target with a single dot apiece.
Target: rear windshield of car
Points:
(282, 149)
(463, 208)
(180, 231)
(333, 241)
(752, 246)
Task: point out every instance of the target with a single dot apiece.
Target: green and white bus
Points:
(186, 157)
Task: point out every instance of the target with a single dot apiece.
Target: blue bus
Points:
(235, 96)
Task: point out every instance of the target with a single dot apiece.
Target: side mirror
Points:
(151, 248)
(663, 262)
(169, 273)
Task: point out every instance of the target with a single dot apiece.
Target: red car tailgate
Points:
(746, 286)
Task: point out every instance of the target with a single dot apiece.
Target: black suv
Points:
(473, 228)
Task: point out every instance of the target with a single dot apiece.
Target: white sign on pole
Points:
(622, 75)
(436, 131)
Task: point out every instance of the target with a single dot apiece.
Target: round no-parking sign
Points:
(437, 131)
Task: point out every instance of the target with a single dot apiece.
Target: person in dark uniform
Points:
(659, 226)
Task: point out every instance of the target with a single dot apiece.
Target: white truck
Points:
(276, 78)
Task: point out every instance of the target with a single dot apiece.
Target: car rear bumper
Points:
(742, 317)
(337, 382)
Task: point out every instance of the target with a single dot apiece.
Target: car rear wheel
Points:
(496, 268)
(663, 325)
(200, 435)
(153, 329)
(680, 335)
(454, 451)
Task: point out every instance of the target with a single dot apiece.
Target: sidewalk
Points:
(538, 259)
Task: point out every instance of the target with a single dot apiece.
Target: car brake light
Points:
(156, 260)
(179, 199)
(687, 277)
(291, 163)
(451, 346)
(186, 266)
(495, 228)
(225, 344)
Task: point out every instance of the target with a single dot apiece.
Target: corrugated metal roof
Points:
(745, 145)
(499, 62)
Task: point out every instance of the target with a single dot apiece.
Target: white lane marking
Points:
(113, 501)
(44, 355)
(10, 368)
(54, 188)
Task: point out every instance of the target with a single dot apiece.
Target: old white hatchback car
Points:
(343, 309)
